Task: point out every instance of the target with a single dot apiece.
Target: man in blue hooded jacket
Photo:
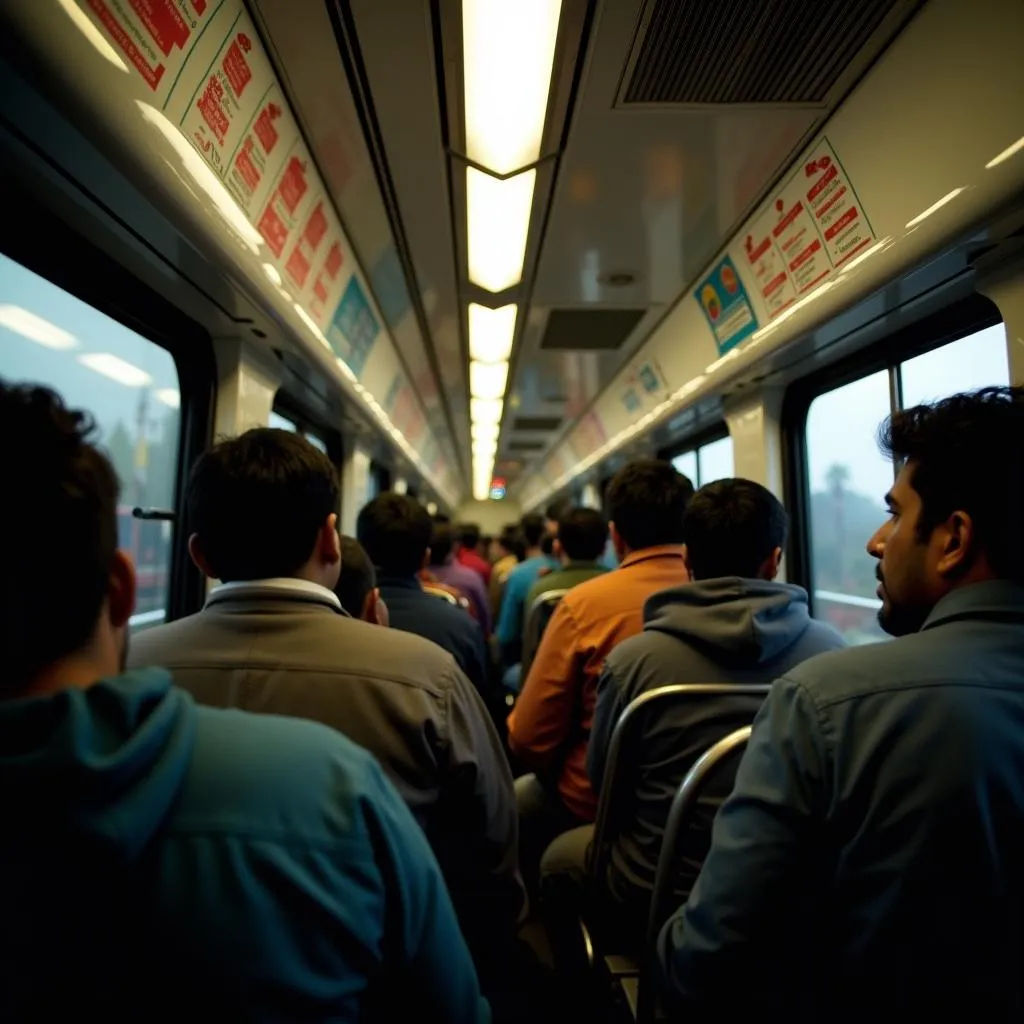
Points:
(164, 861)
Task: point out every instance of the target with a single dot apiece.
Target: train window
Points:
(848, 477)
(315, 441)
(279, 422)
(709, 462)
(687, 465)
(128, 384)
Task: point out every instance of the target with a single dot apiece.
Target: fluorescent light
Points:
(116, 368)
(485, 410)
(92, 33)
(491, 332)
(498, 214)
(924, 215)
(508, 50)
(481, 492)
(272, 272)
(484, 449)
(35, 328)
(487, 380)
(169, 396)
(484, 431)
(1006, 154)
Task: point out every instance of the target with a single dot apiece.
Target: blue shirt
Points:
(869, 864)
(517, 587)
(157, 858)
(413, 610)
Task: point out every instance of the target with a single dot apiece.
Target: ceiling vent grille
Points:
(735, 51)
(589, 330)
(526, 446)
(536, 422)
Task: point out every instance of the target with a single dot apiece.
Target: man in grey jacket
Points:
(734, 623)
(273, 637)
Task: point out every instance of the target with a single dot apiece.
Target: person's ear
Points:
(770, 569)
(956, 540)
(121, 590)
(374, 608)
(617, 542)
(195, 551)
(556, 548)
(686, 561)
(329, 542)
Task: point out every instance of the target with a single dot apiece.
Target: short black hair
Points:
(646, 501)
(512, 541)
(357, 579)
(257, 502)
(731, 527)
(395, 530)
(59, 517)
(533, 527)
(442, 540)
(558, 509)
(469, 534)
(583, 533)
(967, 453)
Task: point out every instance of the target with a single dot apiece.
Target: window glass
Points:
(128, 384)
(973, 362)
(316, 442)
(715, 461)
(279, 422)
(848, 481)
(687, 465)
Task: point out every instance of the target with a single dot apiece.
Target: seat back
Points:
(617, 797)
(445, 595)
(538, 615)
(718, 758)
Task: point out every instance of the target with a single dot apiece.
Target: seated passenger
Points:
(163, 861)
(468, 551)
(733, 624)
(395, 531)
(869, 863)
(356, 588)
(507, 551)
(577, 546)
(272, 638)
(445, 569)
(550, 725)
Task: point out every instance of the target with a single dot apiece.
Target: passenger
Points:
(272, 637)
(733, 624)
(162, 861)
(578, 545)
(447, 570)
(468, 551)
(869, 863)
(356, 588)
(507, 551)
(510, 624)
(395, 531)
(550, 725)
(554, 514)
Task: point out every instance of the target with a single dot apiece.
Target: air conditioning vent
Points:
(588, 330)
(526, 446)
(537, 423)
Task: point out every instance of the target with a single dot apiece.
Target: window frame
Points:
(715, 432)
(967, 316)
(287, 406)
(67, 259)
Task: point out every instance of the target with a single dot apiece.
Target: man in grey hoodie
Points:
(733, 624)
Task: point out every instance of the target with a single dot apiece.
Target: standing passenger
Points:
(162, 861)
(357, 588)
(445, 569)
(869, 864)
(468, 553)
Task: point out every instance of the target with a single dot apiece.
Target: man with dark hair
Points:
(870, 860)
(157, 856)
(550, 724)
(356, 588)
(395, 530)
(468, 551)
(733, 624)
(580, 541)
(448, 571)
(280, 644)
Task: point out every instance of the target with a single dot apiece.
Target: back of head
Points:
(358, 577)
(533, 528)
(582, 534)
(395, 529)
(468, 535)
(511, 539)
(732, 528)
(966, 454)
(442, 540)
(646, 501)
(258, 502)
(59, 515)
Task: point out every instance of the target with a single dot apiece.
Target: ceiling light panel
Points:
(487, 380)
(485, 410)
(491, 332)
(508, 52)
(484, 431)
(498, 215)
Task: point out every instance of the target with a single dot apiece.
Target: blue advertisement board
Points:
(726, 307)
(353, 328)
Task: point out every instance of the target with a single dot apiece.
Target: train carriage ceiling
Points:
(666, 122)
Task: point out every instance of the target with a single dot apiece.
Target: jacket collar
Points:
(284, 589)
(659, 551)
(991, 599)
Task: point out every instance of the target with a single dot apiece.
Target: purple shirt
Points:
(471, 584)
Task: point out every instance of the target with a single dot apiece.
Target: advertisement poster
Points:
(726, 307)
(353, 329)
(644, 387)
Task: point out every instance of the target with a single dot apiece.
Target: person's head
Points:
(646, 503)
(582, 535)
(734, 528)
(468, 536)
(67, 591)
(264, 505)
(553, 515)
(395, 530)
(533, 528)
(357, 584)
(508, 542)
(442, 542)
(956, 508)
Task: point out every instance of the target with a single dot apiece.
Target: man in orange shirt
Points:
(550, 725)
